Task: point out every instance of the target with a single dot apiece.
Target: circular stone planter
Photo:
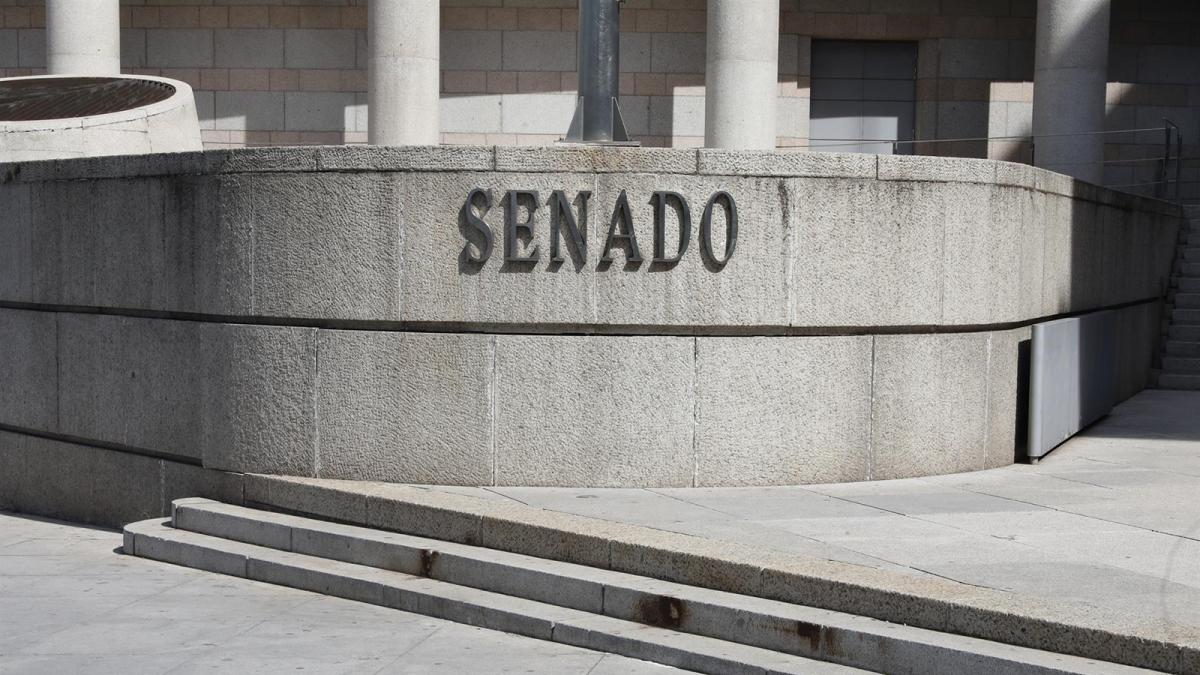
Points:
(51, 117)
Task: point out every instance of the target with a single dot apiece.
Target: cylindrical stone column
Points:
(404, 72)
(83, 37)
(1070, 73)
(742, 74)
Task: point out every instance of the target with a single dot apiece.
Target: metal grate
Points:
(64, 97)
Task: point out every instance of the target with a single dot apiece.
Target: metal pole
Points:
(597, 115)
(1160, 190)
(1178, 161)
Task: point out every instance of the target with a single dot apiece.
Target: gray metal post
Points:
(597, 115)
(1178, 161)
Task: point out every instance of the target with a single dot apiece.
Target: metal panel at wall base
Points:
(1073, 379)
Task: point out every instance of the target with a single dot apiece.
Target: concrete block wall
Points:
(286, 72)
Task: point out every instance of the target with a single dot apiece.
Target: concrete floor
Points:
(69, 604)
(1111, 518)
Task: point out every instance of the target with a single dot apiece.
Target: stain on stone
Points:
(810, 632)
(833, 644)
(428, 558)
(661, 610)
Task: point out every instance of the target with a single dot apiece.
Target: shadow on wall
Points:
(1132, 271)
(1129, 269)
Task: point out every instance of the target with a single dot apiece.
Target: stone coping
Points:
(577, 159)
(1077, 629)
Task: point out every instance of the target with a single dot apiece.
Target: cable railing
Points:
(1168, 166)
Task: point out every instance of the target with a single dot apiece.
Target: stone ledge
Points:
(786, 164)
(437, 158)
(577, 159)
(1076, 629)
(593, 159)
(939, 169)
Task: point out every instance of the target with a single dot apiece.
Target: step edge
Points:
(989, 614)
(420, 595)
(635, 591)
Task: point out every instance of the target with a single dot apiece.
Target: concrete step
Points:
(1055, 625)
(1185, 317)
(156, 540)
(1190, 253)
(1184, 333)
(1182, 348)
(1189, 269)
(1179, 381)
(1180, 365)
(764, 624)
(1188, 284)
(1184, 300)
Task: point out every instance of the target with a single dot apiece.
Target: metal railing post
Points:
(1178, 161)
(1160, 189)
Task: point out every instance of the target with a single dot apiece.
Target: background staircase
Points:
(1181, 349)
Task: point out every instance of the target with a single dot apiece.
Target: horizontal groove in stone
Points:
(94, 443)
(616, 330)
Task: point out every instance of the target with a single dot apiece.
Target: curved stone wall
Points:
(321, 312)
(168, 124)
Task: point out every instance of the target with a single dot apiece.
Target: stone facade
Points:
(276, 72)
(320, 311)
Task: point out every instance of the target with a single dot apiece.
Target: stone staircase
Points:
(1181, 347)
(654, 620)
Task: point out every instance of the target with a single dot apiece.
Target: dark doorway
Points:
(863, 96)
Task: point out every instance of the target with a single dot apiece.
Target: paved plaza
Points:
(69, 603)
(1111, 518)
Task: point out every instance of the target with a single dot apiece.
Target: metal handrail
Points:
(1170, 130)
(1168, 126)
(891, 141)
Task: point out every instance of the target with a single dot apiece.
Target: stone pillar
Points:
(404, 72)
(1070, 73)
(83, 37)
(742, 74)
